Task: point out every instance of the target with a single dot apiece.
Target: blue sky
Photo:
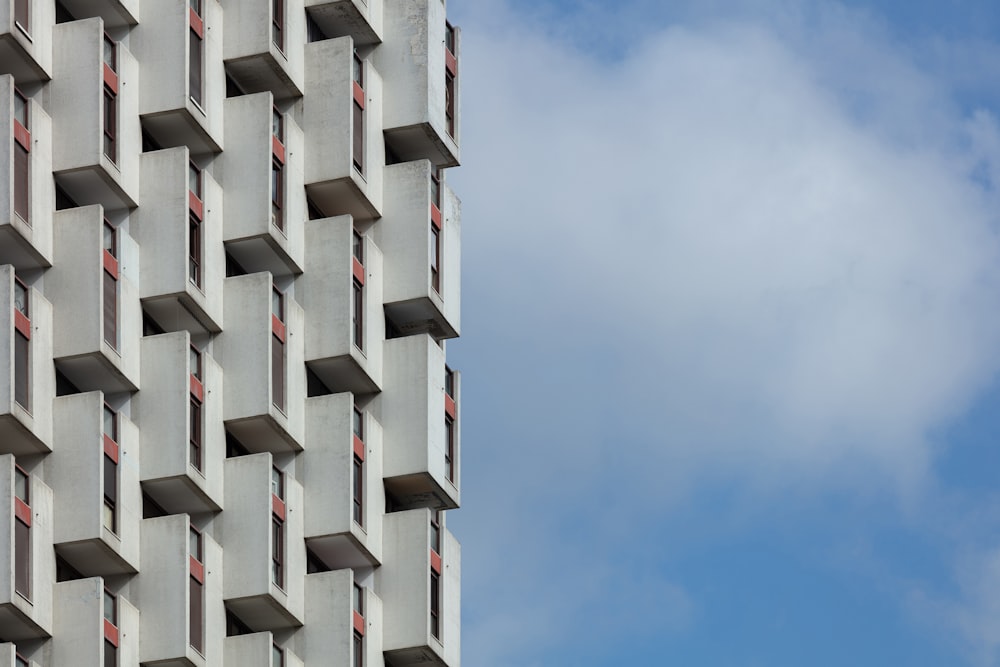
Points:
(731, 335)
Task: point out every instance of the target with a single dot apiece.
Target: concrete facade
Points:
(229, 269)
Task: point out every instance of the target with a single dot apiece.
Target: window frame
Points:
(110, 130)
(278, 194)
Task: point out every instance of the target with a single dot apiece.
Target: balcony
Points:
(96, 454)
(29, 386)
(421, 243)
(263, 517)
(334, 624)
(180, 412)
(343, 119)
(26, 584)
(179, 232)
(361, 20)
(10, 652)
(344, 351)
(421, 113)
(343, 533)
(256, 650)
(262, 50)
(180, 594)
(26, 40)
(422, 624)
(261, 353)
(419, 420)
(25, 205)
(263, 202)
(116, 13)
(94, 100)
(180, 97)
(91, 620)
(88, 281)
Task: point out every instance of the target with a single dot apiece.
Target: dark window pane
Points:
(358, 482)
(359, 138)
(278, 372)
(195, 67)
(110, 310)
(21, 13)
(357, 315)
(22, 195)
(197, 615)
(22, 377)
(22, 558)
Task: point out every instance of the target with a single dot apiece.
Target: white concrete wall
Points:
(76, 96)
(247, 586)
(331, 179)
(412, 63)
(27, 53)
(26, 431)
(252, 55)
(329, 629)
(26, 244)
(160, 41)
(411, 411)
(161, 591)
(404, 233)
(247, 186)
(326, 290)
(328, 473)
(160, 227)
(77, 469)
(162, 412)
(254, 650)
(74, 285)
(78, 625)
(22, 618)
(244, 351)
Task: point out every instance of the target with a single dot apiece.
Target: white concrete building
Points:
(229, 264)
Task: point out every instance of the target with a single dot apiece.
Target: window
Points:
(277, 656)
(22, 345)
(359, 649)
(449, 454)
(195, 6)
(277, 194)
(358, 600)
(195, 435)
(358, 130)
(449, 382)
(22, 532)
(194, 360)
(436, 531)
(195, 58)
(277, 483)
(20, 661)
(358, 247)
(110, 124)
(194, 250)
(110, 515)
(359, 424)
(278, 349)
(196, 592)
(110, 286)
(449, 102)
(22, 14)
(435, 253)
(449, 38)
(194, 180)
(278, 23)
(22, 147)
(435, 605)
(358, 482)
(278, 125)
(110, 654)
(110, 607)
(110, 53)
(436, 187)
(357, 315)
(277, 551)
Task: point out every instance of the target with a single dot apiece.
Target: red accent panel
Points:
(111, 448)
(278, 507)
(22, 512)
(197, 570)
(435, 216)
(277, 149)
(359, 448)
(359, 623)
(110, 632)
(449, 406)
(359, 271)
(110, 79)
(359, 95)
(197, 389)
(277, 328)
(196, 23)
(22, 136)
(450, 61)
(111, 265)
(435, 561)
(22, 324)
(195, 205)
